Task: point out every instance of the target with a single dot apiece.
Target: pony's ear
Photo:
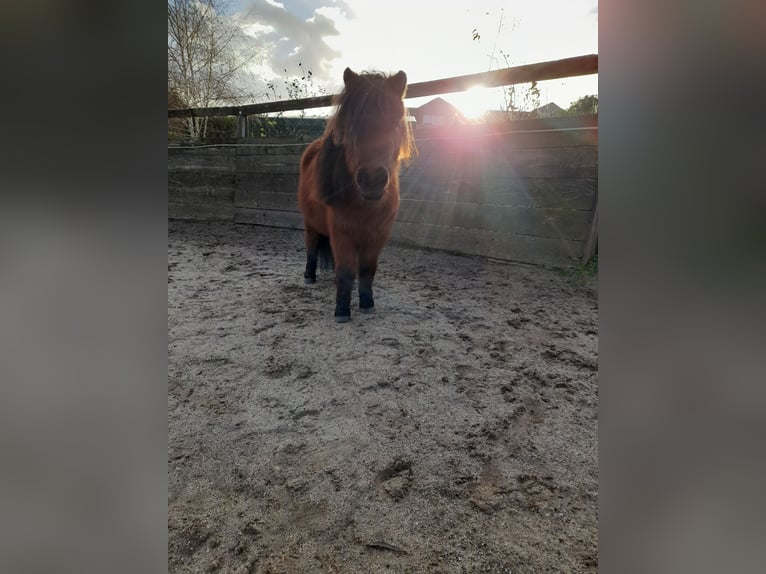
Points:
(398, 83)
(349, 76)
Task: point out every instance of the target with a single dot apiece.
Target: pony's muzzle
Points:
(372, 182)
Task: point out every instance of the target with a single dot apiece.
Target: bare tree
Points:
(206, 54)
(517, 98)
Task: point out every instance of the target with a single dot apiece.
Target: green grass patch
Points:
(583, 272)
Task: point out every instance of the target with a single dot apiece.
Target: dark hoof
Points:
(342, 318)
(309, 280)
(366, 310)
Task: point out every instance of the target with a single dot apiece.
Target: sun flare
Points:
(474, 102)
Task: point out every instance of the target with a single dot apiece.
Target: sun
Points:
(474, 102)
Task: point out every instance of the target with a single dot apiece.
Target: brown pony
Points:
(349, 184)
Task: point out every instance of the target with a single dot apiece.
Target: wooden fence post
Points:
(243, 130)
(592, 241)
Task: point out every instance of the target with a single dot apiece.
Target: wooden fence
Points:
(526, 191)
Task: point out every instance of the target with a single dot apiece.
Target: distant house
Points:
(437, 112)
(548, 111)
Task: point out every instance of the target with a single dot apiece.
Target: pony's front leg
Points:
(368, 264)
(344, 255)
(344, 280)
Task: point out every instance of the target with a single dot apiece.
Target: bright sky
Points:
(427, 39)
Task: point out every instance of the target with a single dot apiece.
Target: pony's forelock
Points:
(366, 90)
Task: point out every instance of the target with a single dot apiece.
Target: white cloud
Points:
(257, 29)
(287, 40)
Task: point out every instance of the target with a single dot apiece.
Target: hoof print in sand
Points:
(396, 478)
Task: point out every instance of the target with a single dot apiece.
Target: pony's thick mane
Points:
(365, 104)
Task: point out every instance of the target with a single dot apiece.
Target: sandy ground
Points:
(453, 430)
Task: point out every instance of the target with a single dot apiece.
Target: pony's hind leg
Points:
(325, 254)
(368, 264)
(312, 255)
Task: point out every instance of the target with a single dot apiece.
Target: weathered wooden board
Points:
(202, 178)
(525, 218)
(469, 137)
(555, 223)
(200, 195)
(525, 249)
(214, 150)
(509, 246)
(266, 200)
(272, 218)
(565, 162)
(273, 149)
(516, 191)
(512, 190)
(205, 211)
(272, 163)
(211, 162)
(586, 121)
(271, 182)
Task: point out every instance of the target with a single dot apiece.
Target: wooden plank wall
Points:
(527, 196)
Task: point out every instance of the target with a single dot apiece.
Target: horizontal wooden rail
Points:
(569, 67)
(566, 68)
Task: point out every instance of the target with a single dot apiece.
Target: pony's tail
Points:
(325, 254)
